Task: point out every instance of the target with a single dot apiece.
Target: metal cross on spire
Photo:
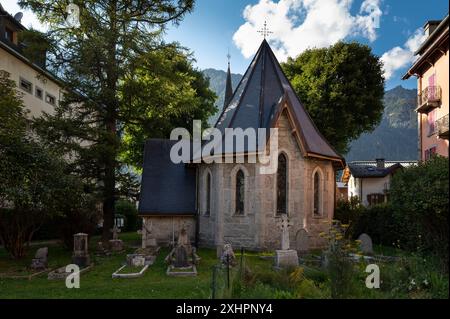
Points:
(264, 31)
(228, 56)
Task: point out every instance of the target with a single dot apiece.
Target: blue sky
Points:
(391, 27)
(209, 31)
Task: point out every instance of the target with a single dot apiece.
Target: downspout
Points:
(361, 191)
(335, 186)
(197, 210)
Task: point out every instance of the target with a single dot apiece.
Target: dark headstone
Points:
(181, 257)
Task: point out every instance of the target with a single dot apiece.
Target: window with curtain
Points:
(240, 192)
(282, 185)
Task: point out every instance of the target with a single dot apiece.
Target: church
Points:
(229, 202)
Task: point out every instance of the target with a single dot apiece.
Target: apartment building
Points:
(431, 69)
(41, 90)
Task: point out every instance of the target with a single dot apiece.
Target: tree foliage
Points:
(34, 183)
(419, 197)
(342, 88)
(94, 60)
(162, 93)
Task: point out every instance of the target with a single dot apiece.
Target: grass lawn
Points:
(258, 280)
(97, 283)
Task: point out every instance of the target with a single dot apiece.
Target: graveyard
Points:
(252, 275)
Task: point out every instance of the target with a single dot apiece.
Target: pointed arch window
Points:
(240, 192)
(208, 194)
(282, 185)
(317, 194)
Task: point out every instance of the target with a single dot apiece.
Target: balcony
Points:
(442, 127)
(429, 99)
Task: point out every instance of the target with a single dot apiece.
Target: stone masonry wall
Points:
(257, 229)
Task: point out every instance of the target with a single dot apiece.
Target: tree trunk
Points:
(110, 186)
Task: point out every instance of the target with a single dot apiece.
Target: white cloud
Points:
(301, 24)
(399, 57)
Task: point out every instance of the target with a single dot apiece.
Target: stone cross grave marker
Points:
(284, 226)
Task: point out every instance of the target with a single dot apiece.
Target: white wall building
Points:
(370, 180)
(41, 90)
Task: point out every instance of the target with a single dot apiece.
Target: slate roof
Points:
(167, 188)
(259, 98)
(368, 170)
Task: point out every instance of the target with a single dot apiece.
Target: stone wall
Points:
(257, 229)
(166, 228)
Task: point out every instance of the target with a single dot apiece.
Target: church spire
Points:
(228, 88)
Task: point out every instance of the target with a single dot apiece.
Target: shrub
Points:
(348, 211)
(128, 209)
(339, 266)
(378, 221)
(420, 203)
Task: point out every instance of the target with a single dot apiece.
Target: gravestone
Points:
(148, 236)
(366, 245)
(40, 260)
(183, 257)
(80, 255)
(115, 244)
(285, 257)
(135, 260)
(228, 256)
(302, 240)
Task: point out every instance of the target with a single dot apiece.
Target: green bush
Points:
(128, 209)
(420, 203)
(378, 221)
(348, 211)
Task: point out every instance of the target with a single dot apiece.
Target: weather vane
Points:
(229, 56)
(264, 31)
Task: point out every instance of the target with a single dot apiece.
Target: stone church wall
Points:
(166, 228)
(258, 228)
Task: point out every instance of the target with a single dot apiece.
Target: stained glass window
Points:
(282, 185)
(316, 193)
(208, 194)
(240, 195)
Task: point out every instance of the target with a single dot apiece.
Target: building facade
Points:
(232, 201)
(370, 181)
(41, 90)
(432, 71)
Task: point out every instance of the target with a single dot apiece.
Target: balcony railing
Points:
(442, 127)
(429, 99)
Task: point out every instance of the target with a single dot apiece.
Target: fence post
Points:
(228, 271)
(214, 283)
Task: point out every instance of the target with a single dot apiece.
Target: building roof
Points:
(437, 39)
(260, 97)
(16, 50)
(228, 88)
(167, 189)
(359, 171)
(369, 169)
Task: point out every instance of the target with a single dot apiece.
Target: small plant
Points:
(339, 266)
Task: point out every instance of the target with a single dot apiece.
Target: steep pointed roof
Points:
(228, 88)
(260, 97)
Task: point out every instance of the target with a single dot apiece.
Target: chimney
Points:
(380, 162)
(430, 26)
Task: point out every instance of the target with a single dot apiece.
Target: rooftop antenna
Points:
(18, 17)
